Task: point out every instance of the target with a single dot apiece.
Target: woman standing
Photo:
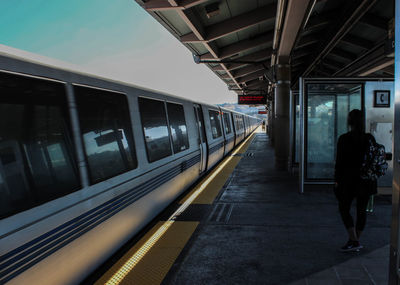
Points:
(351, 151)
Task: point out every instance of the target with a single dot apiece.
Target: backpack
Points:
(374, 164)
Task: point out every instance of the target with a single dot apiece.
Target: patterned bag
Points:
(374, 164)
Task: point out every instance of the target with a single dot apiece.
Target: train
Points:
(87, 162)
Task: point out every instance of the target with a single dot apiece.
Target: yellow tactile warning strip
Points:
(154, 263)
(151, 258)
(215, 185)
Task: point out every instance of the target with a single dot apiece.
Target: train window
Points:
(239, 122)
(106, 131)
(36, 151)
(227, 123)
(177, 125)
(215, 123)
(155, 127)
(236, 122)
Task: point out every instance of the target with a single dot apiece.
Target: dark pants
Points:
(345, 201)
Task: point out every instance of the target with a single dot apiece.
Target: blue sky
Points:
(113, 38)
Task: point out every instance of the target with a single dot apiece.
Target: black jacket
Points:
(351, 149)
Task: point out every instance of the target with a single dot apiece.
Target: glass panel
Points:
(36, 154)
(354, 100)
(227, 123)
(327, 108)
(200, 121)
(154, 122)
(215, 123)
(342, 112)
(177, 124)
(238, 122)
(106, 131)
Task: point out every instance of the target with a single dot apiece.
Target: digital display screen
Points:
(252, 99)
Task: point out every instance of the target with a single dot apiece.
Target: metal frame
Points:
(394, 273)
(292, 151)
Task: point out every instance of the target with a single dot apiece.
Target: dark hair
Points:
(355, 120)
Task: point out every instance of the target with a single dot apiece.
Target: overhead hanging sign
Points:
(258, 99)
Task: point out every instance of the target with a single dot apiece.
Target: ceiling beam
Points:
(367, 59)
(300, 53)
(357, 41)
(320, 20)
(234, 24)
(384, 63)
(296, 12)
(355, 11)
(297, 63)
(252, 76)
(388, 70)
(260, 56)
(164, 5)
(257, 84)
(375, 21)
(248, 69)
(224, 76)
(331, 63)
(217, 68)
(323, 72)
(241, 46)
(195, 25)
(306, 41)
(343, 54)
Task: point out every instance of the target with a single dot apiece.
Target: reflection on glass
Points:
(177, 125)
(342, 112)
(36, 154)
(200, 121)
(297, 131)
(215, 123)
(227, 123)
(154, 122)
(106, 131)
(239, 122)
(328, 107)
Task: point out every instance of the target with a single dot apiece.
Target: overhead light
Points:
(196, 58)
(212, 9)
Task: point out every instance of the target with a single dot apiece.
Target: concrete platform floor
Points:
(260, 230)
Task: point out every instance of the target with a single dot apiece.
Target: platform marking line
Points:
(149, 263)
(127, 267)
(212, 183)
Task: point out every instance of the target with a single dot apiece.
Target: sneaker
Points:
(351, 245)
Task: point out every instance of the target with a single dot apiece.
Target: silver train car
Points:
(86, 163)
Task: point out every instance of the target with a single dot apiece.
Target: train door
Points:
(223, 128)
(234, 127)
(202, 137)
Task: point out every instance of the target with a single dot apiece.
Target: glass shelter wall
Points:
(327, 106)
(324, 106)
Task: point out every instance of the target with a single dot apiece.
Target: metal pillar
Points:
(394, 239)
(271, 116)
(282, 116)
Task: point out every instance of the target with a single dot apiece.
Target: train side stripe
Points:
(46, 244)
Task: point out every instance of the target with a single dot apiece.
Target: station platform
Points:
(249, 225)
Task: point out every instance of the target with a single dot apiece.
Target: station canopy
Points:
(242, 40)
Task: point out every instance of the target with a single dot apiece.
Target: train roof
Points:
(36, 59)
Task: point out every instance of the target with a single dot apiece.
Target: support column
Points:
(271, 116)
(282, 116)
